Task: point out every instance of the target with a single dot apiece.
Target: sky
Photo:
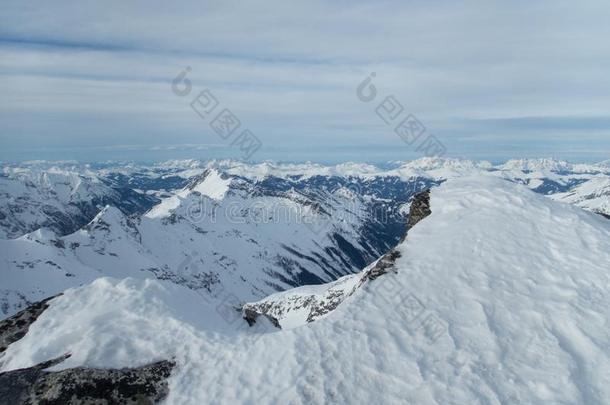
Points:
(92, 80)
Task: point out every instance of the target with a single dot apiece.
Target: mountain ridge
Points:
(497, 296)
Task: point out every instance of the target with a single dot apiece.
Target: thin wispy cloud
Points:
(96, 74)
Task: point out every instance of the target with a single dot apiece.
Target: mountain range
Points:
(488, 284)
(250, 229)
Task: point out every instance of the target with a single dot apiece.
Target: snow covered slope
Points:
(64, 196)
(499, 296)
(229, 226)
(60, 198)
(220, 233)
(593, 195)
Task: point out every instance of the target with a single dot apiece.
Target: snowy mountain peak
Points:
(108, 214)
(434, 163)
(211, 184)
(264, 170)
(497, 296)
(110, 220)
(540, 164)
(604, 165)
(301, 305)
(42, 235)
(593, 195)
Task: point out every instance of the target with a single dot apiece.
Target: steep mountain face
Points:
(82, 385)
(60, 199)
(593, 195)
(66, 196)
(496, 295)
(537, 165)
(78, 385)
(306, 304)
(225, 226)
(221, 233)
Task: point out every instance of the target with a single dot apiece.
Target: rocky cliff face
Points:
(420, 209)
(80, 385)
(288, 225)
(14, 328)
(148, 384)
(309, 303)
(490, 271)
(220, 232)
(61, 199)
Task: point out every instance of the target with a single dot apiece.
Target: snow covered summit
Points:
(499, 296)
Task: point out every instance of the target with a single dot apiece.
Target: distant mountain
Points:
(225, 226)
(496, 295)
(221, 232)
(592, 195)
(551, 165)
(61, 199)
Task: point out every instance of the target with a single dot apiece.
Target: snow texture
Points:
(500, 296)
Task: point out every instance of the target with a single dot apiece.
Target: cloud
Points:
(97, 73)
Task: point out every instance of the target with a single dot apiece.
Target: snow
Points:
(243, 241)
(515, 282)
(292, 308)
(548, 164)
(188, 173)
(164, 208)
(593, 195)
(33, 196)
(42, 235)
(436, 163)
(426, 167)
(303, 170)
(213, 185)
(41, 272)
(54, 191)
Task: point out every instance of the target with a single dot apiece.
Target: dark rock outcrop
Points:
(15, 327)
(80, 385)
(250, 315)
(420, 209)
(320, 304)
(383, 265)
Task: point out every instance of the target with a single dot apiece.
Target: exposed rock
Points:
(420, 209)
(603, 214)
(315, 305)
(250, 316)
(15, 327)
(383, 265)
(332, 301)
(310, 305)
(35, 385)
